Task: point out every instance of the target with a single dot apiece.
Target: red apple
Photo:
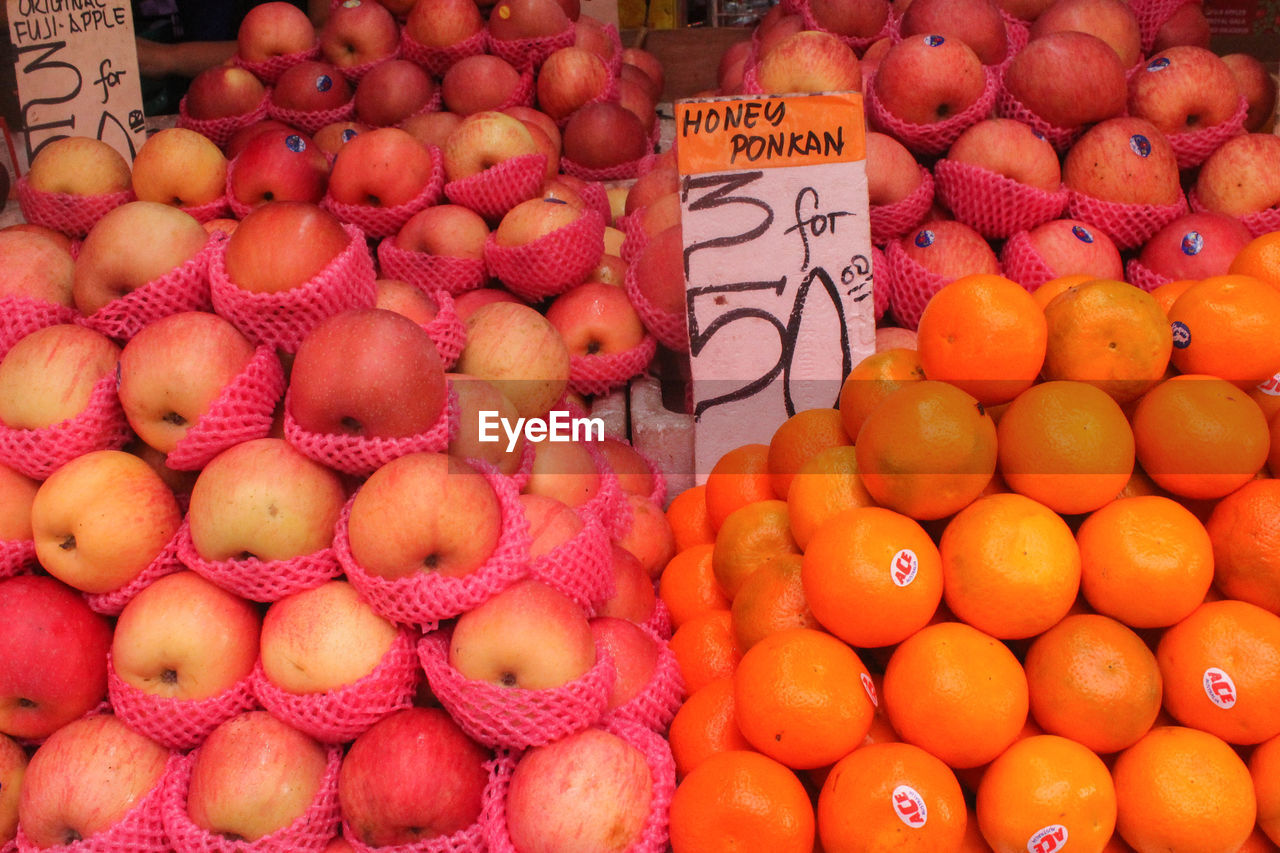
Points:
(223, 91)
(36, 267)
(950, 249)
(568, 79)
(384, 167)
(475, 84)
(650, 65)
(515, 348)
(1071, 247)
(926, 79)
(809, 61)
(596, 319)
(468, 303)
(1258, 88)
(651, 186)
(431, 128)
(892, 171)
(660, 271)
(635, 98)
(649, 535)
(1110, 20)
(49, 375)
(633, 598)
(1242, 176)
(1195, 245)
(634, 653)
(13, 766)
(1187, 25)
(510, 20)
(57, 237)
(590, 33)
(1182, 89)
(533, 219)
(442, 23)
(732, 66)
(552, 523)
(1124, 160)
(977, 23)
(279, 165)
(862, 19)
(242, 137)
(392, 91)
(485, 139)
(473, 442)
(1068, 79)
(283, 244)
(311, 86)
(330, 138)
(180, 167)
(406, 300)
(17, 492)
(274, 29)
(604, 134)
(449, 230)
(1012, 149)
(358, 32)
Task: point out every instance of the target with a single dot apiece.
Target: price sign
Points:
(76, 66)
(777, 259)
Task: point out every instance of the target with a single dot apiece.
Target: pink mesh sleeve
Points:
(891, 221)
(437, 60)
(1129, 225)
(447, 330)
(500, 187)
(1023, 263)
(175, 723)
(17, 557)
(1258, 222)
(1194, 146)
(655, 705)
(311, 120)
(670, 329)
(387, 221)
(1140, 275)
(73, 215)
(552, 263)
(220, 130)
(37, 453)
(995, 206)
(935, 138)
(580, 568)
(260, 580)
(20, 316)
(270, 70)
(430, 273)
(530, 52)
(112, 602)
(912, 285)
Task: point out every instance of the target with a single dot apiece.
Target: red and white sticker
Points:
(905, 567)
(1219, 687)
(1271, 387)
(870, 686)
(1048, 840)
(909, 806)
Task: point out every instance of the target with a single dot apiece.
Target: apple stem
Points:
(169, 676)
(508, 679)
(71, 837)
(352, 426)
(24, 702)
(68, 544)
(175, 419)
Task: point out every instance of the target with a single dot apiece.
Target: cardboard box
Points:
(1245, 26)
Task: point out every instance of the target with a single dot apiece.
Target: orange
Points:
(1045, 293)
(1199, 436)
(971, 777)
(1146, 561)
(1167, 294)
(688, 586)
(689, 520)
(890, 796)
(927, 450)
(873, 379)
(771, 600)
(1109, 334)
(826, 485)
(1260, 258)
(1273, 458)
(1221, 670)
(800, 698)
(738, 478)
(1095, 681)
(985, 334)
(800, 437)
(705, 649)
(1267, 396)
(705, 725)
(872, 576)
(1244, 528)
(748, 538)
(1066, 444)
(1225, 326)
(1183, 789)
(1046, 793)
(973, 842)
(1257, 842)
(736, 801)
(1010, 566)
(1264, 766)
(956, 692)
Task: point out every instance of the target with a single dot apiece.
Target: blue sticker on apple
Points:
(1140, 145)
(924, 238)
(1160, 63)
(1192, 243)
(349, 134)
(324, 83)
(933, 41)
(1181, 335)
(295, 143)
(1081, 233)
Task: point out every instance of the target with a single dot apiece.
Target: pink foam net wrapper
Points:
(659, 622)
(520, 478)
(73, 215)
(596, 195)
(670, 329)
(602, 373)
(447, 330)
(37, 453)
(112, 602)
(1061, 138)
(881, 292)
(17, 557)
(175, 723)
(1128, 225)
(620, 172)
(994, 205)
(431, 273)
(356, 73)
(530, 52)
(283, 319)
(551, 264)
(21, 315)
(1023, 263)
(1142, 276)
(523, 94)
(360, 455)
(256, 579)
(608, 504)
(632, 228)
(859, 44)
(515, 717)
(244, 411)
(218, 208)
(891, 221)
(581, 567)
(936, 137)
(1151, 15)
(1194, 146)
(269, 71)
(657, 702)
(183, 288)
(310, 832)
(426, 598)
(912, 285)
(343, 714)
(662, 769)
(387, 221)
(220, 130)
(312, 120)
(141, 830)
(438, 60)
(1258, 222)
(751, 78)
(497, 189)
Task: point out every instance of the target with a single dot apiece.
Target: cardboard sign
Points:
(76, 66)
(777, 259)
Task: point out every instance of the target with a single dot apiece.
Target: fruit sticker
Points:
(909, 806)
(933, 41)
(1192, 243)
(349, 134)
(904, 567)
(350, 4)
(1219, 687)
(1271, 387)
(1140, 145)
(324, 83)
(1160, 63)
(1082, 234)
(1181, 334)
(924, 238)
(295, 143)
(870, 687)
(1048, 840)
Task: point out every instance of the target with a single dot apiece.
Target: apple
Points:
(358, 33)
(79, 165)
(927, 79)
(244, 135)
(85, 778)
(412, 777)
(1182, 89)
(534, 219)
(528, 636)
(1258, 88)
(283, 244)
(323, 639)
(950, 249)
(809, 61)
(863, 19)
(1068, 78)
(114, 261)
(1242, 176)
(1113, 21)
(274, 29)
(50, 623)
(515, 348)
(604, 134)
(660, 271)
(448, 230)
(649, 536)
(590, 33)
(179, 167)
(564, 470)
(588, 791)
(263, 499)
(1124, 160)
(634, 653)
(633, 598)
(630, 468)
(431, 128)
(736, 57)
(173, 370)
(57, 237)
(330, 138)
(655, 184)
(1195, 245)
(49, 375)
(478, 83)
(649, 63)
(1072, 247)
(892, 171)
(596, 319)
(222, 92)
(185, 638)
(635, 98)
(466, 304)
(612, 270)
(1187, 25)
(279, 165)
(392, 91)
(485, 139)
(311, 86)
(568, 79)
(977, 23)
(476, 396)
(511, 20)
(384, 167)
(443, 23)
(13, 766)
(406, 300)
(552, 523)
(657, 217)
(35, 267)
(1010, 148)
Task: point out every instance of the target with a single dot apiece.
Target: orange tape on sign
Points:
(769, 131)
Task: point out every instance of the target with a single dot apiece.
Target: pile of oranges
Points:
(1019, 592)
